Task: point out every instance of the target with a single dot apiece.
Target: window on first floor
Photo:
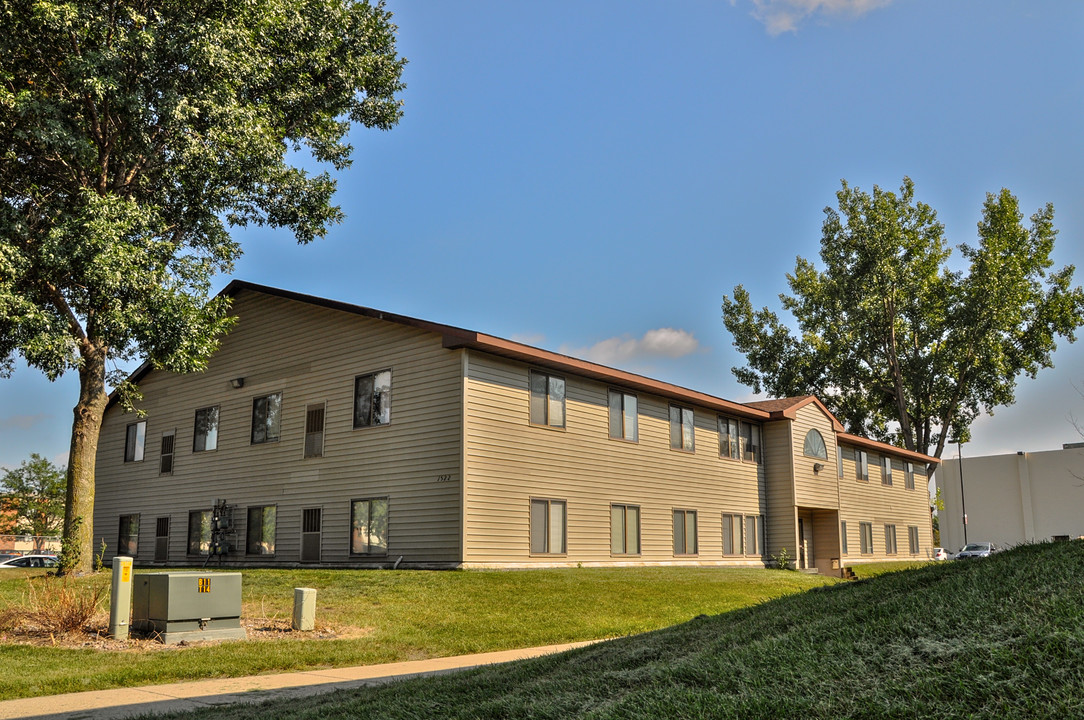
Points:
(205, 433)
(369, 526)
(890, 539)
(372, 399)
(548, 528)
(843, 537)
(754, 534)
(128, 538)
(547, 399)
(912, 539)
(624, 529)
(266, 418)
(865, 535)
(732, 535)
(681, 428)
(909, 476)
(260, 530)
(135, 438)
(623, 421)
(199, 532)
(685, 532)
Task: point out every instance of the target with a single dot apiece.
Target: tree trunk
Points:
(77, 556)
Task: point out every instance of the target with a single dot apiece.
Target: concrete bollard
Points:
(120, 598)
(304, 609)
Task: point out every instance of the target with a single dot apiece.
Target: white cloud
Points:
(532, 339)
(662, 342)
(780, 16)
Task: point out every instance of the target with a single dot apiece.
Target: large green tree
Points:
(133, 135)
(32, 498)
(899, 346)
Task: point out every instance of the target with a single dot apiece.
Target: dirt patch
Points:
(95, 636)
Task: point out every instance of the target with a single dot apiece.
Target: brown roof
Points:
(781, 404)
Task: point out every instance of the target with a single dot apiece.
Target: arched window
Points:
(814, 445)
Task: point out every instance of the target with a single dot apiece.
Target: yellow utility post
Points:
(120, 600)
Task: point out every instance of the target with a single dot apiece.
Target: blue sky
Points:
(592, 177)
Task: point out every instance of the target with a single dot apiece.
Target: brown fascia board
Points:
(864, 442)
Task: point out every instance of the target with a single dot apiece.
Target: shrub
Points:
(56, 604)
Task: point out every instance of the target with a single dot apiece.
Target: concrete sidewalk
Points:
(126, 702)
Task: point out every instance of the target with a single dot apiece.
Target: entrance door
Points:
(801, 545)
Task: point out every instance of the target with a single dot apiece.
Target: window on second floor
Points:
(729, 438)
(681, 428)
(909, 476)
(814, 445)
(861, 465)
(205, 434)
(886, 470)
(547, 399)
(266, 418)
(750, 434)
(135, 439)
(623, 422)
(372, 399)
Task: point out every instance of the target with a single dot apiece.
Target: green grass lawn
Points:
(996, 638)
(387, 616)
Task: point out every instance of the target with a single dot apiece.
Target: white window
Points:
(912, 539)
(372, 399)
(547, 527)
(814, 445)
(890, 539)
(886, 470)
(135, 438)
(861, 465)
(909, 476)
(547, 399)
(732, 535)
(623, 422)
(843, 536)
(729, 438)
(754, 535)
(750, 434)
(865, 533)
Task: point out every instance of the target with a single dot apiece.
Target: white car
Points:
(31, 561)
(941, 554)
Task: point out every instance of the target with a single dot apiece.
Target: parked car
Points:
(941, 554)
(976, 550)
(31, 561)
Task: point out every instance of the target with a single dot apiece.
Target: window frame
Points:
(128, 541)
(913, 544)
(758, 535)
(679, 427)
(886, 470)
(865, 538)
(205, 515)
(890, 539)
(262, 525)
(908, 475)
(685, 514)
(369, 501)
(739, 520)
(843, 547)
(376, 409)
(839, 462)
(815, 433)
(547, 400)
(135, 445)
(267, 429)
(547, 524)
(623, 415)
(309, 409)
(729, 442)
(624, 508)
(172, 454)
(196, 434)
(861, 465)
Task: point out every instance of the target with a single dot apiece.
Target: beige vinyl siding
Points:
(880, 504)
(817, 490)
(511, 461)
(781, 524)
(311, 355)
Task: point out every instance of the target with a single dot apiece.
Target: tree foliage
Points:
(32, 498)
(133, 135)
(899, 346)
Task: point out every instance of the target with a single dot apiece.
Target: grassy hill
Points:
(997, 638)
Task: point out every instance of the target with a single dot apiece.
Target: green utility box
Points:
(178, 606)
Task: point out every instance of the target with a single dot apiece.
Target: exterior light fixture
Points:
(237, 383)
(817, 467)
